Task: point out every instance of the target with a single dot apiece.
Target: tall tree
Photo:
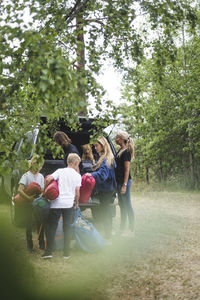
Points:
(38, 60)
(163, 92)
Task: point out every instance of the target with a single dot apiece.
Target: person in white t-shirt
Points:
(69, 182)
(32, 175)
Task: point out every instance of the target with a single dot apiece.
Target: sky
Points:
(111, 81)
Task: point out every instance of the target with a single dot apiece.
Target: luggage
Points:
(51, 192)
(41, 207)
(87, 185)
(31, 190)
(86, 235)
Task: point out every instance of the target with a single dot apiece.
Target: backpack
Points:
(87, 185)
(51, 192)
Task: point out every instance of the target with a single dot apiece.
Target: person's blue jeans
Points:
(54, 216)
(106, 199)
(126, 209)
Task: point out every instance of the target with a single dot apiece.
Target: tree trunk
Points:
(147, 175)
(191, 158)
(80, 52)
(161, 171)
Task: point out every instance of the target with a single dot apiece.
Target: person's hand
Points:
(31, 198)
(123, 189)
(75, 205)
(88, 174)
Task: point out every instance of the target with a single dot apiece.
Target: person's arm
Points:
(77, 197)
(126, 176)
(102, 174)
(48, 180)
(23, 194)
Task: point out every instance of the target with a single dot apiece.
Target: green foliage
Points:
(49, 60)
(163, 110)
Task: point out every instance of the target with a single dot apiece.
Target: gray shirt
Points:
(29, 177)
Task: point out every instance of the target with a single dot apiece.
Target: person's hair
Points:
(72, 158)
(128, 141)
(36, 161)
(87, 153)
(62, 139)
(106, 153)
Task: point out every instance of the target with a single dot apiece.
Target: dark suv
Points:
(79, 138)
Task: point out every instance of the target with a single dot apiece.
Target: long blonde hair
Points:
(106, 154)
(128, 142)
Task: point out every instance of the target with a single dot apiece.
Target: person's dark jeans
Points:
(31, 222)
(53, 219)
(126, 209)
(106, 198)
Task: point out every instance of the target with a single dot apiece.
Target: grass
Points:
(160, 262)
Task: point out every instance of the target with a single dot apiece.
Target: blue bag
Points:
(41, 207)
(59, 237)
(85, 234)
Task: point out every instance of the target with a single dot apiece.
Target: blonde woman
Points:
(123, 159)
(104, 174)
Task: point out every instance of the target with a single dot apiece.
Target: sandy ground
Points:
(160, 262)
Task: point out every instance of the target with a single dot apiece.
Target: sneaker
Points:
(66, 257)
(46, 255)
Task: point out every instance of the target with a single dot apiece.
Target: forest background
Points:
(49, 67)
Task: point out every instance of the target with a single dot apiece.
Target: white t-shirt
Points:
(68, 179)
(29, 177)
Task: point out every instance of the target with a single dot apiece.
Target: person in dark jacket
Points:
(62, 139)
(104, 174)
(123, 178)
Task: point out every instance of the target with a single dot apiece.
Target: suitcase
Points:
(87, 185)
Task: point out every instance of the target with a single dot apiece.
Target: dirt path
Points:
(163, 260)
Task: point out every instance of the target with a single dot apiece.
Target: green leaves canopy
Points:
(43, 44)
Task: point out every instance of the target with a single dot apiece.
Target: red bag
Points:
(33, 189)
(87, 185)
(51, 192)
